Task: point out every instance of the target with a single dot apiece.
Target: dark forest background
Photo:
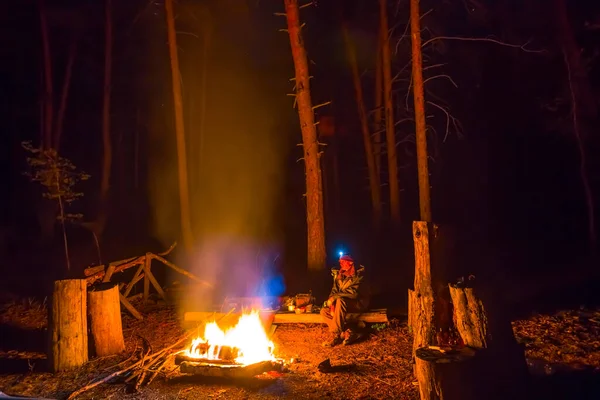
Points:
(505, 177)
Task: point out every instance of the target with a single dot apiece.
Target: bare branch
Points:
(307, 5)
(471, 39)
(449, 119)
(441, 76)
(433, 66)
(321, 105)
(187, 33)
(278, 14)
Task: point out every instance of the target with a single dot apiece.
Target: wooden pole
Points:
(68, 325)
(105, 320)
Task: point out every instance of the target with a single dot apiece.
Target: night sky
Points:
(505, 178)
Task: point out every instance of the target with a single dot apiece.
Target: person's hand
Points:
(330, 301)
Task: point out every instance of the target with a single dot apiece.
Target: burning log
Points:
(105, 320)
(68, 324)
(235, 371)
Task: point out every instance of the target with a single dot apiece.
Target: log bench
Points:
(375, 316)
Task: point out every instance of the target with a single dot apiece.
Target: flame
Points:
(248, 339)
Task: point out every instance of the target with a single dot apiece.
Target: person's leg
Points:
(328, 318)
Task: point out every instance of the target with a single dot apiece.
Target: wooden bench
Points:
(375, 316)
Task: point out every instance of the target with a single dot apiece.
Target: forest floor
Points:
(563, 352)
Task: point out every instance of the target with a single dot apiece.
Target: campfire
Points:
(246, 343)
(243, 350)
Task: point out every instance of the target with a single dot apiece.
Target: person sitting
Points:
(345, 297)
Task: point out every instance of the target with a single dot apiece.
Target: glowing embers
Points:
(244, 344)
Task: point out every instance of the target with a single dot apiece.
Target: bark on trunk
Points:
(68, 325)
(364, 123)
(390, 132)
(470, 317)
(105, 320)
(64, 95)
(46, 139)
(184, 198)
(378, 117)
(106, 139)
(419, 104)
(314, 184)
(583, 105)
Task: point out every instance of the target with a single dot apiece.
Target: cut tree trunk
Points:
(419, 103)
(470, 318)
(364, 123)
(105, 320)
(68, 325)
(184, 196)
(312, 162)
(390, 130)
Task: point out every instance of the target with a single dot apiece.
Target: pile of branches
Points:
(144, 366)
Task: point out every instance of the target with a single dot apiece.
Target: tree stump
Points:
(470, 318)
(105, 320)
(68, 325)
(482, 324)
(447, 373)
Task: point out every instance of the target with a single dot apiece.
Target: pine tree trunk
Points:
(390, 132)
(314, 190)
(583, 105)
(105, 320)
(419, 100)
(378, 116)
(184, 197)
(46, 137)
(106, 139)
(364, 123)
(64, 95)
(68, 324)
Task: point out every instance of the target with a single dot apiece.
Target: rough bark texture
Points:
(68, 325)
(390, 131)
(378, 115)
(374, 184)
(419, 104)
(184, 197)
(314, 184)
(105, 320)
(48, 109)
(584, 110)
(470, 318)
(106, 139)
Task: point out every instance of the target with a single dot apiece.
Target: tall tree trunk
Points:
(106, 131)
(419, 100)
(378, 117)
(206, 39)
(364, 123)
(583, 105)
(314, 190)
(46, 140)
(390, 134)
(64, 95)
(184, 198)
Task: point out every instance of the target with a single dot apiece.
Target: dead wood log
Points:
(105, 320)
(129, 307)
(232, 371)
(159, 257)
(68, 325)
(148, 361)
(98, 272)
(470, 318)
